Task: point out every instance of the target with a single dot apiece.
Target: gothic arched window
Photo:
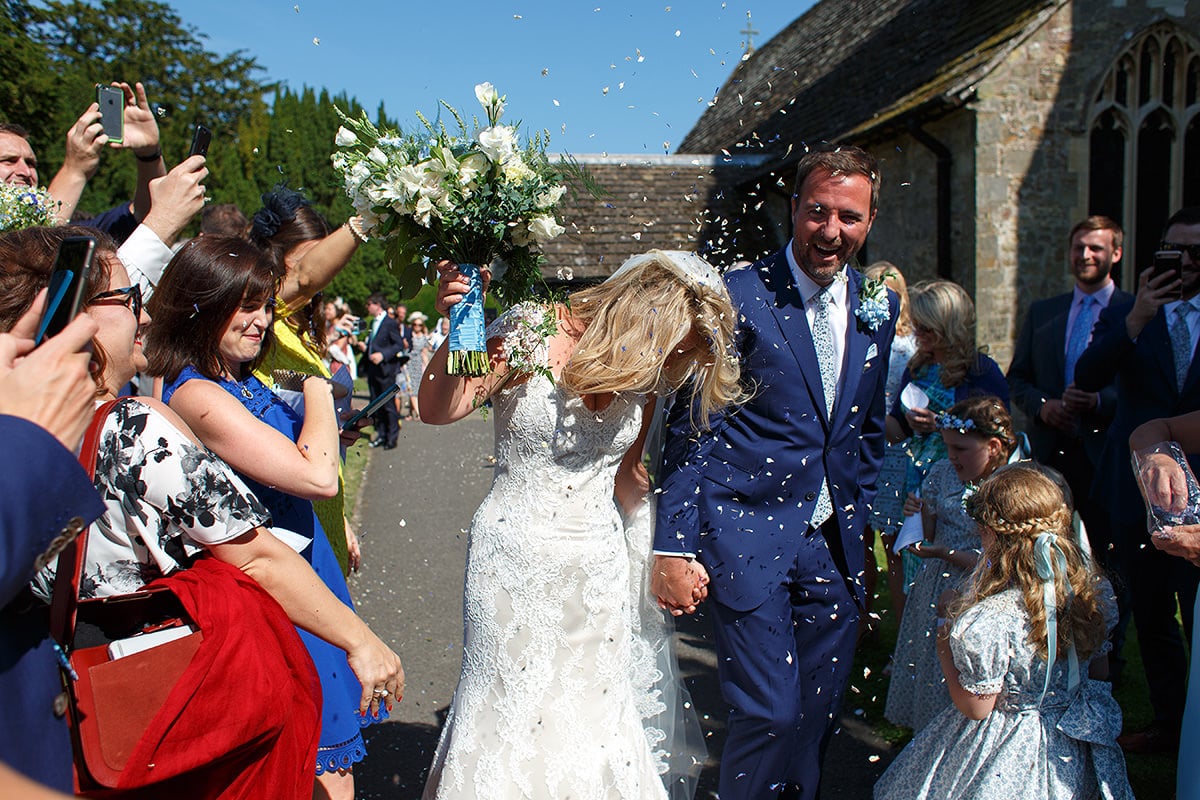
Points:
(1144, 139)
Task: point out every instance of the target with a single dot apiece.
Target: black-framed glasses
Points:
(130, 297)
(1193, 250)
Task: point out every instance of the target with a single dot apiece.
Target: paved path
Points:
(416, 505)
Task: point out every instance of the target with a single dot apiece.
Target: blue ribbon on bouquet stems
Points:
(468, 346)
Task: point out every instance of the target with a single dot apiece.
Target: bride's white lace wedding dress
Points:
(560, 687)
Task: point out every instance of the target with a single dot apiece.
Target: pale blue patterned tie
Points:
(1181, 342)
(826, 358)
(1081, 333)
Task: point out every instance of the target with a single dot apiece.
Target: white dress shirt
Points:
(839, 313)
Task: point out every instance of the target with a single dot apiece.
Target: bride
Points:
(567, 688)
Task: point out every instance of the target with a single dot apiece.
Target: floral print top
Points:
(167, 498)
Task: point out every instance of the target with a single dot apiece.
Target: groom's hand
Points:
(679, 583)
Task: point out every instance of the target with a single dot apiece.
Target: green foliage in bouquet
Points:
(477, 196)
(25, 207)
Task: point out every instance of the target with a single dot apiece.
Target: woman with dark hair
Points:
(173, 509)
(213, 323)
(308, 254)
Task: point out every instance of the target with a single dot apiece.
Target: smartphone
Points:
(370, 408)
(1168, 262)
(64, 296)
(112, 112)
(200, 140)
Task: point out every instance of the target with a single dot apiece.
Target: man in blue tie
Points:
(1068, 425)
(766, 509)
(1148, 346)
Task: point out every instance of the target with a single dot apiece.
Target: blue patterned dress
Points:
(1062, 745)
(341, 744)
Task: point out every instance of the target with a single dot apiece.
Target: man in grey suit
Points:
(1067, 426)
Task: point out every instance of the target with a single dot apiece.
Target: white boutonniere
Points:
(873, 308)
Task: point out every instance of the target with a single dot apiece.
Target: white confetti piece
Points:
(316, 41)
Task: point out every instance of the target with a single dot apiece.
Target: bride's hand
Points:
(453, 285)
(678, 583)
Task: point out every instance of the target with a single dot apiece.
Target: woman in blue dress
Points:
(212, 321)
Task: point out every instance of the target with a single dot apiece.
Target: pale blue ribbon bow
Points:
(1046, 556)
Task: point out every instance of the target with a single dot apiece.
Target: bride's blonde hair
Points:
(637, 319)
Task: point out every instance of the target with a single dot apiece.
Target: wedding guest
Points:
(213, 323)
(1028, 720)
(310, 254)
(169, 504)
(560, 632)
(978, 436)
(419, 353)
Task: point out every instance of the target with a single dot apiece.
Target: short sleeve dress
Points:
(917, 691)
(341, 744)
(1030, 747)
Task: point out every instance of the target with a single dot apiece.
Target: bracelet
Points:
(355, 226)
(155, 156)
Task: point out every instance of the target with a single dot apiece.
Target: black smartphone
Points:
(200, 140)
(1168, 262)
(370, 408)
(64, 295)
(112, 112)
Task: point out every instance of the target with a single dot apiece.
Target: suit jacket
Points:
(388, 341)
(1037, 374)
(1144, 375)
(45, 492)
(740, 495)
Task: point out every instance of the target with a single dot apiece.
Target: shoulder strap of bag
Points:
(70, 561)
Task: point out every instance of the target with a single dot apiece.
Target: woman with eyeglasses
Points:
(172, 507)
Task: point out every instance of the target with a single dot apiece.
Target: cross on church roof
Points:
(748, 45)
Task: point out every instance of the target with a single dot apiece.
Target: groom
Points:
(769, 505)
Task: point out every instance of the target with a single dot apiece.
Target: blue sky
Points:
(603, 77)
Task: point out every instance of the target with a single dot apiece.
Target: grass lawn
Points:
(1151, 776)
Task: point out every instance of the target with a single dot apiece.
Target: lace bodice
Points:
(545, 706)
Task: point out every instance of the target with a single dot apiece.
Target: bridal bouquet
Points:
(25, 207)
(477, 197)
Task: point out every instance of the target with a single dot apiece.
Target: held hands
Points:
(679, 583)
(921, 420)
(1078, 401)
(51, 386)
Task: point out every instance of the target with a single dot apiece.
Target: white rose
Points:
(545, 228)
(550, 197)
(411, 176)
(515, 170)
(497, 142)
(345, 137)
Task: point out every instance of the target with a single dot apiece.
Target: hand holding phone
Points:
(111, 100)
(370, 408)
(200, 141)
(68, 282)
(1168, 262)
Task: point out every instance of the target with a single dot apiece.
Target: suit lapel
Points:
(788, 310)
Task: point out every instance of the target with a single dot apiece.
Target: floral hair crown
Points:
(949, 422)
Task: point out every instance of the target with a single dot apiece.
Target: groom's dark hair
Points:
(844, 159)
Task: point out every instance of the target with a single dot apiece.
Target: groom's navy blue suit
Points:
(740, 497)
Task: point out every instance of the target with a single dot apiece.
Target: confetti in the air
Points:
(316, 41)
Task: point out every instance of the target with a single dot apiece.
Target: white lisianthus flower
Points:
(520, 234)
(370, 220)
(356, 176)
(545, 228)
(378, 156)
(550, 197)
(423, 210)
(491, 101)
(345, 137)
(412, 177)
(470, 167)
(498, 143)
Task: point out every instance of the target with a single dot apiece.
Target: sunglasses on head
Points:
(130, 297)
(1193, 250)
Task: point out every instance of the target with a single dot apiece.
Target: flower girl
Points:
(1028, 722)
(978, 435)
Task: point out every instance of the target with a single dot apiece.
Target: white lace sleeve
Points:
(523, 334)
(669, 719)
